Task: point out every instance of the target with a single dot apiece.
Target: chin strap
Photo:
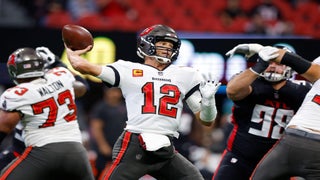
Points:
(162, 60)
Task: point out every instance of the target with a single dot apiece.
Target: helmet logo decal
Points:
(146, 31)
(27, 66)
(11, 60)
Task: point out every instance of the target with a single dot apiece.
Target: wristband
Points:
(259, 67)
(208, 110)
(297, 63)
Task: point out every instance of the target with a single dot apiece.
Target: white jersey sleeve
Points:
(309, 112)
(48, 108)
(153, 98)
(107, 75)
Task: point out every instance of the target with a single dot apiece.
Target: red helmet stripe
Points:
(147, 31)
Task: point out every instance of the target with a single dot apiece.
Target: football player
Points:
(297, 153)
(265, 99)
(17, 145)
(44, 102)
(154, 92)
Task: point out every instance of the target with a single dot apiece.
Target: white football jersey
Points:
(153, 98)
(48, 108)
(309, 112)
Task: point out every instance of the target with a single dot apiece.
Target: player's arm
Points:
(80, 86)
(203, 104)
(208, 88)
(239, 86)
(79, 89)
(307, 69)
(194, 103)
(82, 65)
(8, 121)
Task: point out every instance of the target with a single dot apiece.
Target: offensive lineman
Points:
(17, 147)
(153, 92)
(44, 102)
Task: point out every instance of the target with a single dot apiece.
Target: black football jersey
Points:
(260, 119)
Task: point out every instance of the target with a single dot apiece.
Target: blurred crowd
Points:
(263, 17)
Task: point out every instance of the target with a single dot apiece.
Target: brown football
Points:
(76, 37)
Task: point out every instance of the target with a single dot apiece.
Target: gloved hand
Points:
(260, 66)
(208, 88)
(247, 49)
(47, 55)
(267, 53)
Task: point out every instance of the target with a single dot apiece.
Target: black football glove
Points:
(259, 67)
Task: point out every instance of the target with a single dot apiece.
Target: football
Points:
(76, 37)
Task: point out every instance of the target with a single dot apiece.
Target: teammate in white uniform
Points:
(153, 92)
(298, 151)
(45, 104)
(17, 144)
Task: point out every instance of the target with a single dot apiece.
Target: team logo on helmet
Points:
(11, 60)
(147, 31)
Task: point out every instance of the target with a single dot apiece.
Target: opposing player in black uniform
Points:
(264, 102)
(297, 153)
(17, 144)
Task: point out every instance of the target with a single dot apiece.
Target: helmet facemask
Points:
(287, 71)
(276, 77)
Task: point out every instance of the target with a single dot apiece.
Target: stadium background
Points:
(203, 46)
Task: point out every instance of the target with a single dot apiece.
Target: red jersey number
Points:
(53, 106)
(171, 97)
(20, 91)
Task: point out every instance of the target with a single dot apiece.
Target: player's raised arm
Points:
(80, 64)
(309, 70)
(51, 61)
(208, 111)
